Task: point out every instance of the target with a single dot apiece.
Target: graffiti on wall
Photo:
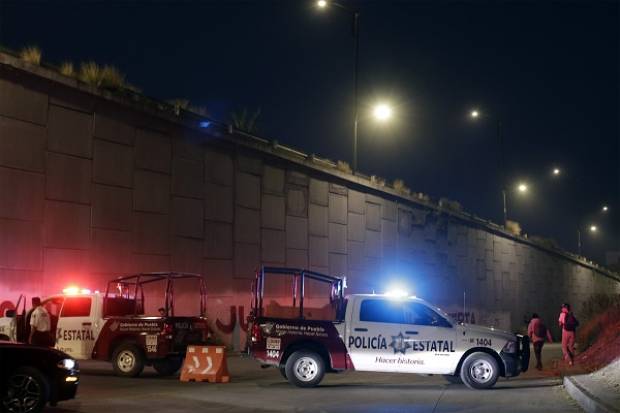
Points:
(236, 315)
(6, 305)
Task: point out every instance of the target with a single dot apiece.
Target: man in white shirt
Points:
(39, 324)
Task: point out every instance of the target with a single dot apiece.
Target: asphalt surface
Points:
(253, 389)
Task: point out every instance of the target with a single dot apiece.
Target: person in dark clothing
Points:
(538, 332)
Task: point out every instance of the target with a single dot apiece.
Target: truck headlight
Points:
(510, 347)
(67, 364)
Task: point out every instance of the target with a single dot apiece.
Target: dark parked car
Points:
(31, 377)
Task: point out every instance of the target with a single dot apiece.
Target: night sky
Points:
(548, 70)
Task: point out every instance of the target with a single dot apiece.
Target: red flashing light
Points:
(73, 290)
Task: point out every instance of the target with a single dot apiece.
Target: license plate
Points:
(273, 343)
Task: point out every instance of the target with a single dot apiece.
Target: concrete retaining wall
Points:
(93, 185)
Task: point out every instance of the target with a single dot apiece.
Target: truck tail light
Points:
(168, 329)
(256, 333)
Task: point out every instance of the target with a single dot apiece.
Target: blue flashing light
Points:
(205, 124)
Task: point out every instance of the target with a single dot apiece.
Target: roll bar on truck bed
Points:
(298, 290)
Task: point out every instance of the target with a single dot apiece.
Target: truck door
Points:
(430, 340)
(75, 327)
(374, 325)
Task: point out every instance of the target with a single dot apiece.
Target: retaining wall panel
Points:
(20, 102)
(153, 151)
(113, 164)
(67, 225)
(68, 178)
(21, 194)
(22, 145)
(70, 131)
(111, 207)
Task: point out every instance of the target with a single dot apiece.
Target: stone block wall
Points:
(91, 189)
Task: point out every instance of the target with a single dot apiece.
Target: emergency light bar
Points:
(75, 290)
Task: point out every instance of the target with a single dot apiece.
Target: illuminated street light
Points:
(605, 208)
(522, 187)
(382, 112)
(321, 4)
(474, 114)
(556, 171)
(593, 228)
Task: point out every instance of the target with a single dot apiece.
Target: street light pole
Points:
(579, 242)
(356, 35)
(356, 49)
(502, 167)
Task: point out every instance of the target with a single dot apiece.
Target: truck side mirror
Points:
(10, 313)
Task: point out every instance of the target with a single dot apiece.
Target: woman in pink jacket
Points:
(538, 332)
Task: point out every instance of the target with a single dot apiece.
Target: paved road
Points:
(263, 390)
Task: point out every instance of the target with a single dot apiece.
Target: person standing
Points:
(39, 324)
(538, 332)
(568, 323)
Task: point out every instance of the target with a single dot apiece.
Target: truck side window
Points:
(419, 314)
(381, 311)
(76, 307)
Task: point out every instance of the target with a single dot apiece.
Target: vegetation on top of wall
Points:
(377, 180)
(31, 54)
(343, 166)
(244, 121)
(513, 227)
(66, 69)
(107, 77)
(400, 187)
(451, 205)
(179, 104)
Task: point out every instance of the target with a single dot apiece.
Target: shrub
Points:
(244, 121)
(450, 205)
(66, 68)
(377, 180)
(599, 314)
(400, 187)
(343, 166)
(31, 54)
(179, 104)
(513, 227)
(107, 77)
(112, 78)
(90, 73)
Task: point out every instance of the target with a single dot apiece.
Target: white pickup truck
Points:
(379, 333)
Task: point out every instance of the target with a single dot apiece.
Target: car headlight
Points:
(67, 364)
(510, 347)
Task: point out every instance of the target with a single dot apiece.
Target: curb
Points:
(589, 402)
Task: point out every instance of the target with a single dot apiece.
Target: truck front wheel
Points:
(128, 360)
(305, 368)
(479, 371)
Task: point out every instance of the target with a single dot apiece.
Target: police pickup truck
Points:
(113, 326)
(374, 332)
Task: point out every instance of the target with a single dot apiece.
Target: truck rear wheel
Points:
(167, 366)
(479, 371)
(128, 360)
(305, 368)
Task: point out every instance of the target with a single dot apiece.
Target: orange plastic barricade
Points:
(205, 363)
